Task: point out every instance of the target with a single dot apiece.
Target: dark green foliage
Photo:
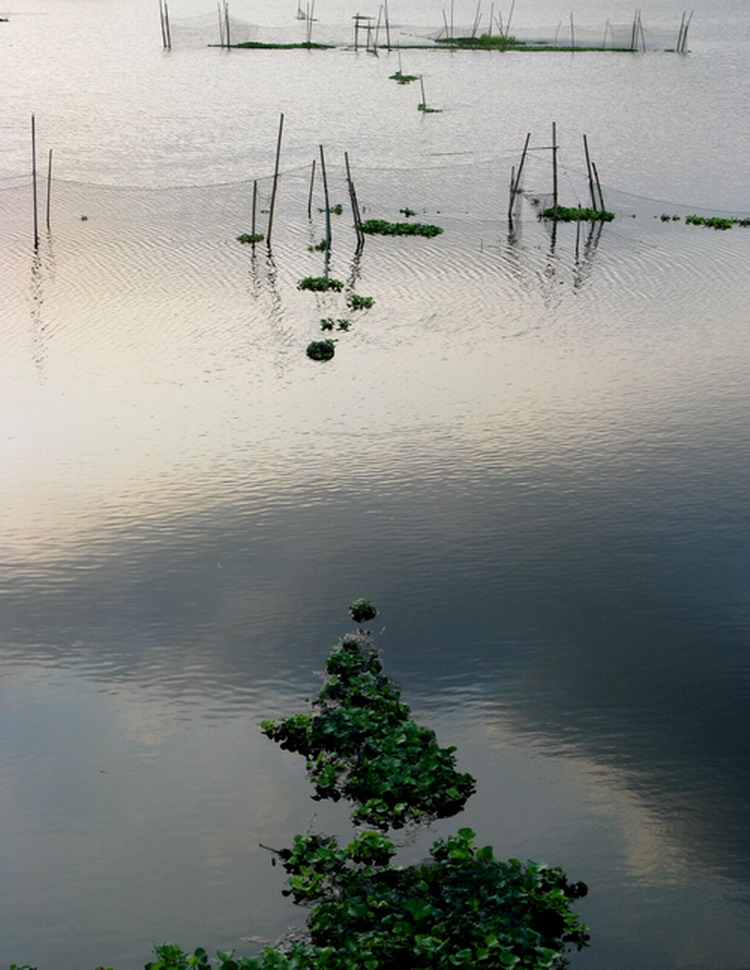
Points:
(361, 745)
(715, 222)
(255, 44)
(362, 610)
(320, 247)
(382, 228)
(403, 78)
(319, 284)
(321, 349)
(247, 237)
(407, 212)
(428, 111)
(574, 214)
(357, 302)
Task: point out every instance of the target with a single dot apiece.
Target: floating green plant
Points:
(335, 210)
(428, 111)
(407, 212)
(357, 302)
(715, 222)
(257, 45)
(343, 324)
(247, 237)
(320, 284)
(362, 610)
(321, 349)
(403, 78)
(320, 247)
(574, 214)
(327, 324)
(380, 227)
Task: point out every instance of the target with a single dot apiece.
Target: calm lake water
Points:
(532, 453)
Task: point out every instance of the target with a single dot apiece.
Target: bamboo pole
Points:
(327, 204)
(678, 46)
(588, 169)
(33, 181)
(685, 33)
(377, 26)
(517, 182)
(387, 27)
(476, 20)
(49, 186)
(572, 32)
(310, 193)
(161, 24)
(510, 17)
(226, 21)
(221, 25)
(578, 231)
(424, 99)
(275, 181)
(166, 24)
(554, 171)
(355, 204)
(606, 29)
(255, 206)
(598, 186)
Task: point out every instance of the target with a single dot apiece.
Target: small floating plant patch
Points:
(715, 222)
(428, 111)
(248, 237)
(357, 302)
(574, 214)
(321, 349)
(320, 284)
(400, 78)
(382, 228)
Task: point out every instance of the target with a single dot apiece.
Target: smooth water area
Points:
(532, 454)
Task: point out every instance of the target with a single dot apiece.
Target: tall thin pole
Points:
(510, 17)
(424, 99)
(161, 22)
(588, 168)
(226, 21)
(572, 32)
(554, 171)
(221, 25)
(33, 180)
(49, 186)
(255, 204)
(387, 27)
(354, 203)
(328, 207)
(517, 182)
(599, 186)
(275, 182)
(166, 24)
(310, 193)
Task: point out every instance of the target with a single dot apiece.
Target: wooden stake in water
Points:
(328, 208)
(572, 32)
(226, 23)
(554, 171)
(387, 27)
(221, 25)
(517, 183)
(423, 106)
(599, 187)
(310, 193)
(275, 182)
(588, 168)
(161, 23)
(255, 205)
(354, 204)
(49, 185)
(33, 181)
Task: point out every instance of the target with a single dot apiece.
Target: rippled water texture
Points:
(531, 453)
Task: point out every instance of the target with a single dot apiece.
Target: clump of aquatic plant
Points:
(334, 209)
(715, 222)
(357, 302)
(343, 324)
(400, 78)
(320, 284)
(576, 214)
(321, 349)
(320, 247)
(428, 111)
(327, 323)
(304, 45)
(381, 227)
(362, 610)
(407, 212)
(250, 237)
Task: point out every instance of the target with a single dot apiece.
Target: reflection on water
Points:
(532, 453)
